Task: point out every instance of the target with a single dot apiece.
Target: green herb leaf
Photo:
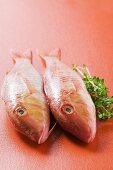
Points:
(98, 92)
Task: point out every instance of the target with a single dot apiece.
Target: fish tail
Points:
(56, 53)
(42, 56)
(17, 56)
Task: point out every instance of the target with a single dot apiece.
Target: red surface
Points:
(84, 32)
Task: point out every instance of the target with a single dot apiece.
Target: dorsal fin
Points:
(42, 56)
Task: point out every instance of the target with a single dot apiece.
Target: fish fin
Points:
(17, 56)
(56, 53)
(29, 86)
(42, 56)
(41, 139)
(28, 54)
(3, 88)
(50, 131)
(2, 93)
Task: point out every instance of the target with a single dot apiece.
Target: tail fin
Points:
(42, 56)
(56, 53)
(17, 56)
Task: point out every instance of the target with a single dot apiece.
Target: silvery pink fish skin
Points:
(68, 98)
(24, 99)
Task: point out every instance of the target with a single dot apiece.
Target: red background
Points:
(83, 29)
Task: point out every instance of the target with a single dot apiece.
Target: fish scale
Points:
(25, 100)
(68, 98)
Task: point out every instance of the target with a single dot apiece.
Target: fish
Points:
(24, 98)
(68, 98)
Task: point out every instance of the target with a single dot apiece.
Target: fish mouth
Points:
(38, 137)
(33, 136)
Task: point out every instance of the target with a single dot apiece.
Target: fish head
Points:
(67, 103)
(30, 116)
(75, 114)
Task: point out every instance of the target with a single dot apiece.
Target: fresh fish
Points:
(24, 99)
(68, 98)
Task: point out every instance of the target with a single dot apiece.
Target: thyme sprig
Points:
(98, 91)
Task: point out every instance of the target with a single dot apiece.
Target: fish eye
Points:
(21, 111)
(68, 109)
